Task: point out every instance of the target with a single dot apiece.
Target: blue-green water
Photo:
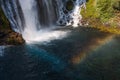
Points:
(85, 54)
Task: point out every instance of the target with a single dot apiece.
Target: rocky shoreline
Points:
(9, 37)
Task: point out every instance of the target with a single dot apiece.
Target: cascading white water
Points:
(35, 18)
(72, 17)
(31, 17)
(76, 13)
(29, 8)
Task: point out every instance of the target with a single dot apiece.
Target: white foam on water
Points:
(44, 35)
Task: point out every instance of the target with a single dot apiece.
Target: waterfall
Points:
(73, 16)
(34, 19)
(29, 8)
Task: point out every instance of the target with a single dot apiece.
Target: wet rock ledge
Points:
(7, 35)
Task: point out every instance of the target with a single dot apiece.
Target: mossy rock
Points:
(9, 37)
(69, 5)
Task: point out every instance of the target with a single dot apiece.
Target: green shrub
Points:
(91, 10)
(101, 9)
(116, 5)
(105, 9)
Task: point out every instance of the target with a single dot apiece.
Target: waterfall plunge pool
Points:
(84, 54)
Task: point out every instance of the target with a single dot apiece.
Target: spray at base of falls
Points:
(44, 35)
(31, 18)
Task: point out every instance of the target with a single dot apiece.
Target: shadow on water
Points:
(101, 63)
(86, 54)
(56, 63)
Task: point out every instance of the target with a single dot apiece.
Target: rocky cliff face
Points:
(7, 35)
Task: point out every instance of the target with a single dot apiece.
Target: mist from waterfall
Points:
(36, 20)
